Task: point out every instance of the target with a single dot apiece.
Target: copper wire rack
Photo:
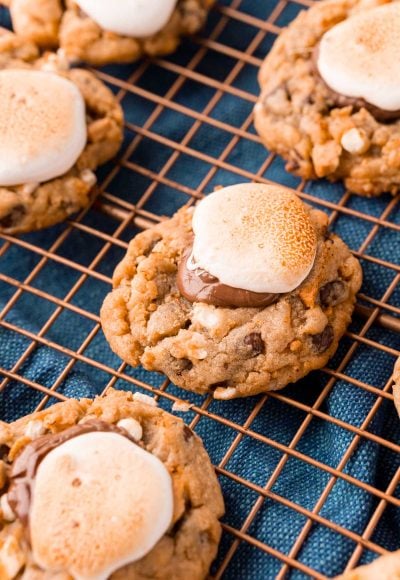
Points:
(158, 166)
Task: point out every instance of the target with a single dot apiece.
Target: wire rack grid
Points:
(189, 128)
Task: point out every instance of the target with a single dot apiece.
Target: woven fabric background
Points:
(272, 421)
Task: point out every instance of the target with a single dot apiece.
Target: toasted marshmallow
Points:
(359, 57)
(42, 126)
(255, 237)
(135, 18)
(99, 502)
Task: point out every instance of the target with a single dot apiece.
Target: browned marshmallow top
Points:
(359, 58)
(93, 500)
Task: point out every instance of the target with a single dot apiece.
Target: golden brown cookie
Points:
(229, 351)
(31, 444)
(35, 205)
(319, 132)
(51, 24)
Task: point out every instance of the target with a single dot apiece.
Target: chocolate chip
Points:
(66, 206)
(294, 162)
(174, 531)
(292, 165)
(182, 365)
(4, 450)
(321, 342)
(256, 342)
(13, 217)
(186, 364)
(332, 293)
(187, 433)
(176, 528)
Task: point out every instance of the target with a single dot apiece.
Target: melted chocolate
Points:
(200, 286)
(340, 100)
(24, 468)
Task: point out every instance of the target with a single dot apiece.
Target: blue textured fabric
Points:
(275, 525)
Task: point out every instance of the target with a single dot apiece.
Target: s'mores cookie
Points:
(330, 95)
(111, 488)
(96, 32)
(57, 125)
(246, 293)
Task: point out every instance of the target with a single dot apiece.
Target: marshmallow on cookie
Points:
(133, 18)
(254, 242)
(115, 504)
(359, 57)
(42, 126)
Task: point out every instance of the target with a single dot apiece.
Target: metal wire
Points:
(371, 311)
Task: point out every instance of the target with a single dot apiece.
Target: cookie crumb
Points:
(132, 426)
(206, 316)
(88, 177)
(355, 141)
(295, 345)
(34, 429)
(181, 406)
(146, 399)
(223, 393)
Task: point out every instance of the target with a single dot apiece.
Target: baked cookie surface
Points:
(51, 24)
(316, 132)
(231, 352)
(191, 541)
(33, 206)
(383, 568)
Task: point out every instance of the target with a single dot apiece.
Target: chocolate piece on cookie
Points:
(330, 95)
(110, 488)
(94, 31)
(57, 125)
(257, 241)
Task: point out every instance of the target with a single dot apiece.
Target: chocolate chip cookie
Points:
(116, 465)
(46, 173)
(267, 328)
(86, 33)
(330, 98)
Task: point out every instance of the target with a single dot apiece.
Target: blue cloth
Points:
(275, 525)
